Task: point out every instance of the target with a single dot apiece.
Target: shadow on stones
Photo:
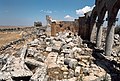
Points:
(21, 78)
(111, 67)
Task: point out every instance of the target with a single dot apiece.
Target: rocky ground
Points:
(65, 57)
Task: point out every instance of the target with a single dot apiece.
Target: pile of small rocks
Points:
(46, 58)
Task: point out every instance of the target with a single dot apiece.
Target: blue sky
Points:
(25, 12)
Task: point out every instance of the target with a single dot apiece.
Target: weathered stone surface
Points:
(69, 40)
(77, 71)
(40, 74)
(49, 49)
(71, 73)
(73, 63)
(23, 52)
(116, 36)
(16, 68)
(31, 52)
(61, 58)
(76, 49)
(51, 60)
(35, 42)
(34, 62)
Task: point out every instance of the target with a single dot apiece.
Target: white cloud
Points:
(46, 11)
(41, 10)
(81, 12)
(68, 17)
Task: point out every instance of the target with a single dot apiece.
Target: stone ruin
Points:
(86, 26)
(64, 57)
(46, 58)
(67, 55)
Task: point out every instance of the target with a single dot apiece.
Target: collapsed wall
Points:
(48, 58)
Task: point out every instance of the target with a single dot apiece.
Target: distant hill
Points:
(8, 27)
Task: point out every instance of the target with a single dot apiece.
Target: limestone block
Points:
(49, 49)
(73, 63)
(116, 36)
(51, 60)
(77, 71)
(60, 60)
(39, 74)
(69, 40)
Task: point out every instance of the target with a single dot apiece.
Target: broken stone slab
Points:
(114, 54)
(74, 49)
(47, 43)
(67, 55)
(90, 78)
(35, 42)
(3, 59)
(63, 40)
(51, 60)
(43, 36)
(72, 63)
(30, 52)
(58, 43)
(16, 67)
(48, 39)
(93, 66)
(34, 62)
(46, 78)
(56, 49)
(116, 42)
(77, 71)
(64, 68)
(5, 76)
(4, 68)
(116, 36)
(71, 44)
(83, 58)
(66, 51)
(2, 56)
(23, 52)
(85, 46)
(86, 71)
(6, 56)
(65, 74)
(49, 49)
(60, 60)
(98, 77)
(21, 73)
(39, 57)
(66, 61)
(58, 38)
(69, 40)
(71, 73)
(40, 74)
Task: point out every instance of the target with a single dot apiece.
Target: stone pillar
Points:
(98, 35)
(93, 33)
(110, 31)
(109, 40)
(53, 29)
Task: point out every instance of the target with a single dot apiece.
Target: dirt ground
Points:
(6, 37)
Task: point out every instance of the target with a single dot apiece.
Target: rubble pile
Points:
(46, 58)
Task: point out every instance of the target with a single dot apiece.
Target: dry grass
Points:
(6, 37)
